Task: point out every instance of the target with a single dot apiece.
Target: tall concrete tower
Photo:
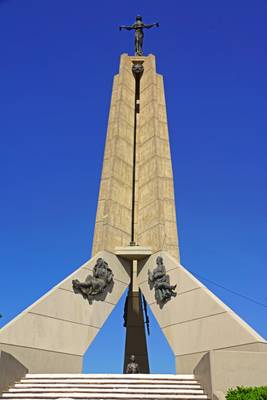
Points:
(136, 201)
(137, 140)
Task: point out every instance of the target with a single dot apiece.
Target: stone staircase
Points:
(106, 386)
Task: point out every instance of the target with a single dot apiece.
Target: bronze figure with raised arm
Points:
(138, 26)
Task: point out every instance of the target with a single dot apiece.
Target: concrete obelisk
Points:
(136, 200)
(154, 217)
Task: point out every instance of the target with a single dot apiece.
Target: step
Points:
(112, 376)
(109, 396)
(109, 381)
(106, 387)
(109, 385)
(103, 390)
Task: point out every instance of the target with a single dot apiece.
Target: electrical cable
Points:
(230, 290)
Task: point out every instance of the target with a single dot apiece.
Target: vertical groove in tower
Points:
(154, 217)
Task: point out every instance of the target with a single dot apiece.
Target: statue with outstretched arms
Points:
(138, 26)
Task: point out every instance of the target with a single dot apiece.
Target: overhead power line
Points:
(230, 290)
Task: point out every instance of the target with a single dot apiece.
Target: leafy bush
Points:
(247, 393)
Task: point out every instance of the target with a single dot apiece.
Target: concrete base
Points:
(187, 363)
(220, 370)
(43, 361)
(11, 370)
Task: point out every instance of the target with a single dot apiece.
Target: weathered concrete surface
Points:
(195, 321)
(221, 370)
(203, 373)
(155, 217)
(11, 370)
(53, 334)
(113, 218)
(39, 360)
(237, 368)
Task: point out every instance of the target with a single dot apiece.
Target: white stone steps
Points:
(104, 385)
(112, 376)
(110, 381)
(109, 396)
(103, 390)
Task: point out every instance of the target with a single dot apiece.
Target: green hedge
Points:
(247, 393)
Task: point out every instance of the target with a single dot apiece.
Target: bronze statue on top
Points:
(138, 26)
(161, 282)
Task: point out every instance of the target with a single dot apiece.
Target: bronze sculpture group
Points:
(161, 282)
(95, 284)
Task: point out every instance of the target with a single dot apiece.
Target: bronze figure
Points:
(161, 282)
(138, 26)
(132, 367)
(96, 284)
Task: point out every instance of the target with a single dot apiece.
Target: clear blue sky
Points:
(57, 63)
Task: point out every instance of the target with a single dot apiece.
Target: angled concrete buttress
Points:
(196, 321)
(53, 334)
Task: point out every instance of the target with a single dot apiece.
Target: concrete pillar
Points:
(155, 216)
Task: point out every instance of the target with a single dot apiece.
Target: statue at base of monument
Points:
(161, 282)
(95, 284)
(132, 366)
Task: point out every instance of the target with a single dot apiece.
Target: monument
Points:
(135, 247)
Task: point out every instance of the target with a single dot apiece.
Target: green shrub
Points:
(247, 393)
